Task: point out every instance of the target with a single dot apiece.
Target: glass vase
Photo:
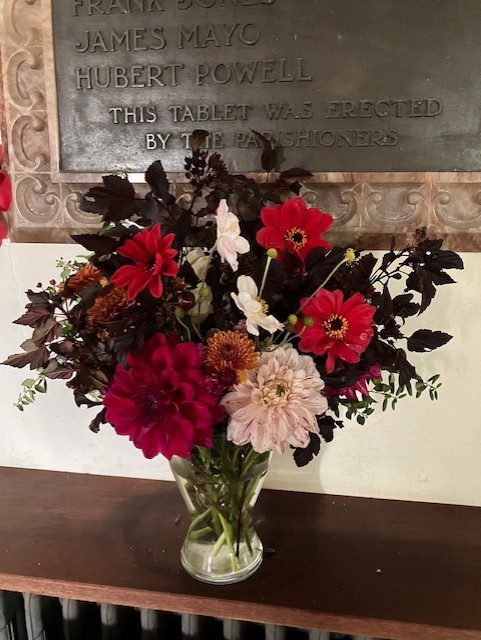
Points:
(220, 487)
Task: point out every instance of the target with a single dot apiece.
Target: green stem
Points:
(264, 277)
(321, 286)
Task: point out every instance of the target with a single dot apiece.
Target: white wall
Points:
(427, 451)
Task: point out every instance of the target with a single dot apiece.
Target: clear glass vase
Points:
(220, 486)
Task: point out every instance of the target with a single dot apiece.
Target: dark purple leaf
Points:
(427, 340)
(40, 298)
(56, 371)
(406, 370)
(305, 455)
(98, 420)
(101, 245)
(48, 331)
(33, 316)
(157, 179)
(404, 307)
(295, 172)
(197, 139)
(269, 155)
(37, 358)
(116, 200)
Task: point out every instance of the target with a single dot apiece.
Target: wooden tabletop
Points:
(383, 568)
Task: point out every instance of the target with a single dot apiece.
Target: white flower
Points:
(278, 404)
(203, 302)
(253, 307)
(229, 240)
(199, 262)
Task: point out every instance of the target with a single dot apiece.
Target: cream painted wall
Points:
(424, 451)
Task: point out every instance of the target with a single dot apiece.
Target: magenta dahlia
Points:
(163, 400)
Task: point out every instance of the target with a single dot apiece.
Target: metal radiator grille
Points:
(32, 617)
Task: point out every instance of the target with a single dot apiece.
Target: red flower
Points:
(5, 191)
(164, 401)
(294, 228)
(153, 257)
(3, 233)
(341, 329)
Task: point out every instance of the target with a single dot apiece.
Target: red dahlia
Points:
(153, 256)
(294, 228)
(163, 401)
(342, 329)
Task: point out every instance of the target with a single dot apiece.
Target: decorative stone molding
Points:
(367, 207)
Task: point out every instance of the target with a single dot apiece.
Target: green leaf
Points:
(28, 383)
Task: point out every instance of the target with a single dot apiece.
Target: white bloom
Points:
(203, 303)
(229, 240)
(254, 309)
(199, 262)
(278, 404)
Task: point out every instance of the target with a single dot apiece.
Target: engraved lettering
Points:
(209, 4)
(280, 70)
(154, 141)
(108, 7)
(284, 110)
(203, 36)
(135, 76)
(399, 108)
(205, 112)
(327, 138)
(213, 141)
(135, 39)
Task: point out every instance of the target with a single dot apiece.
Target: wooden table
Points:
(383, 568)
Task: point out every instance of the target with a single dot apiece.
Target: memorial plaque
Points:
(340, 85)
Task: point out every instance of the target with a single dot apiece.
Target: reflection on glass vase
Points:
(220, 486)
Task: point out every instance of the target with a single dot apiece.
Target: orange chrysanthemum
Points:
(227, 355)
(84, 278)
(107, 308)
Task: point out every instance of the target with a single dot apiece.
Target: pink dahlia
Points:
(342, 329)
(164, 401)
(360, 385)
(152, 256)
(278, 404)
(294, 228)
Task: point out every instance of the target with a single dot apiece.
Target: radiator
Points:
(33, 617)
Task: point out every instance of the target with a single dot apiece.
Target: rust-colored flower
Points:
(227, 355)
(84, 278)
(107, 308)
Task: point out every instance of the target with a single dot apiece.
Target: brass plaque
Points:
(340, 85)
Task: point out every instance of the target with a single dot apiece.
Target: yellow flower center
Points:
(264, 305)
(336, 326)
(350, 256)
(297, 236)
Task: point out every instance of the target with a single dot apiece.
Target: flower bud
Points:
(308, 321)
(204, 293)
(292, 319)
(186, 300)
(272, 253)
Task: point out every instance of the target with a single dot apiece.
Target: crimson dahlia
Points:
(164, 401)
(342, 329)
(153, 256)
(294, 228)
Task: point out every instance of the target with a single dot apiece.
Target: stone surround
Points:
(367, 207)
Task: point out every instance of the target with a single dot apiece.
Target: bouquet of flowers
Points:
(221, 326)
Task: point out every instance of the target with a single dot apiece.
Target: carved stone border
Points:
(368, 207)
